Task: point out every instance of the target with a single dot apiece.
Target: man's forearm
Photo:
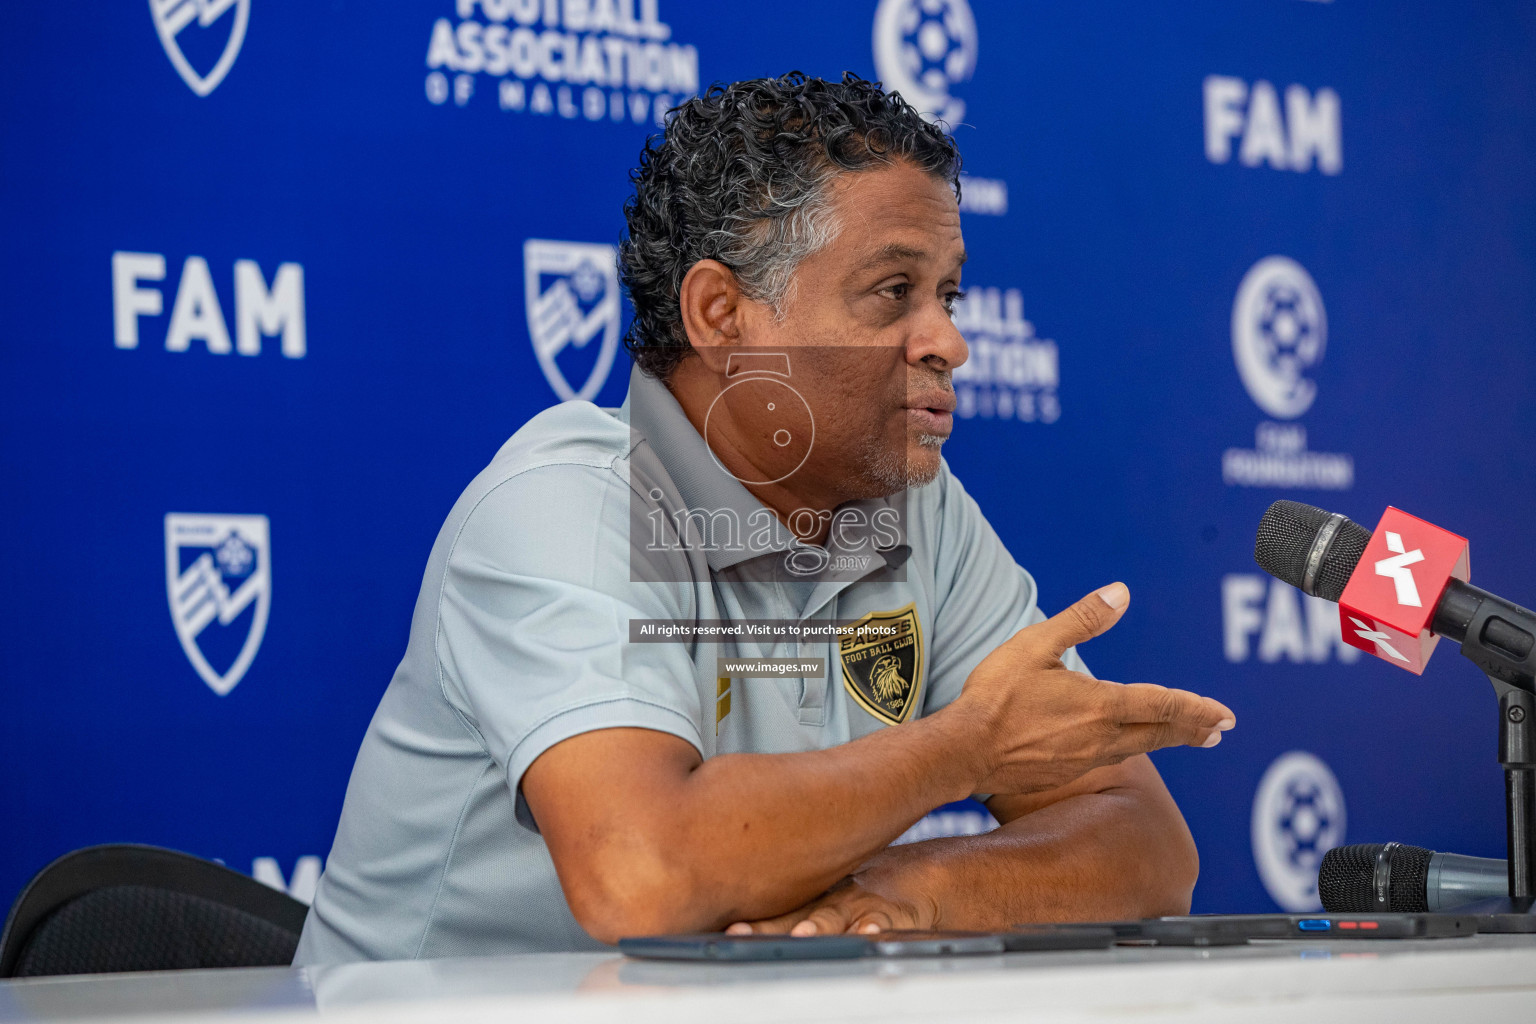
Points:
(747, 835)
(776, 829)
(1119, 853)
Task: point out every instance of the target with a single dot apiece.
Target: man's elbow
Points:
(608, 921)
(1170, 869)
(1173, 889)
(633, 892)
(1153, 859)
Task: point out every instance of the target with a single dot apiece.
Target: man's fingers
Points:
(1145, 738)
(827, 919)
(772, 926)
(1081, 622)
(1147, 718)
(871, 922)
(1145, 703)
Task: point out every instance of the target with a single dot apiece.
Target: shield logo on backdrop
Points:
(218, 577)
(572, 295)
(173, 16)
(882, 656)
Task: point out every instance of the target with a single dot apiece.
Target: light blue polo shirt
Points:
(522, 637)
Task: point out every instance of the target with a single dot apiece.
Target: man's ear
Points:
(711, 303)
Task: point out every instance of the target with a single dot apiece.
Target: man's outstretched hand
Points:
(1039, 725)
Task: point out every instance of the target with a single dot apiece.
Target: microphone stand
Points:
(1507, 655)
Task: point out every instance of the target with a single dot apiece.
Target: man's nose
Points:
(938, 339)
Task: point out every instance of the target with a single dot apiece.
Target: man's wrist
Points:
(966, 746)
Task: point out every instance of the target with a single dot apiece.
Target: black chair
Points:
(124, 907)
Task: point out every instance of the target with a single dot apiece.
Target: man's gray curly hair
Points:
(741, 175)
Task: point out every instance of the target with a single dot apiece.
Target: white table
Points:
(1482, 980)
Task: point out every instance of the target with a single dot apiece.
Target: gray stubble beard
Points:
(892, 471)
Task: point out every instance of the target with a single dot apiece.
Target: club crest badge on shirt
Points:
(882, 656)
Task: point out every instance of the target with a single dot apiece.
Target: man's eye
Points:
(896, 291)
(951, 299)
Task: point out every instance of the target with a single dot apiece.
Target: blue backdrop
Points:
(267, 260)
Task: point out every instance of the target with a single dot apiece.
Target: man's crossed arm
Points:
(1109, 846)
(649, 838)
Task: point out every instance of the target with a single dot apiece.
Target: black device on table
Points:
(721, 947)
(1237, 929)
(1195, 930)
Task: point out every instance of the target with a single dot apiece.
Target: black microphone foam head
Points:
(1285, 538)
(1408, 892)
(1347, 876)
(1344, 879)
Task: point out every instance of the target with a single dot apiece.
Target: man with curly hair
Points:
(539, 776)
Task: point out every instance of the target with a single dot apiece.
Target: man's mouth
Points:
(932, 412)
(934, 401)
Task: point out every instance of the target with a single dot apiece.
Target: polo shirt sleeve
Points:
(533, 622)
(981, 595)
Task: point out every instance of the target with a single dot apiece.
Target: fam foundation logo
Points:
(220, 31)
(218, 570)
(1011, 374)
(1279, 333)
(1298, 815)
(572, 299)
(925, 49)
(592, 60)
(1279, 337)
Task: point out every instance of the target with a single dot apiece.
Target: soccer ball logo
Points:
(1279, 331)
(1291, 339)
(1298, 815)
(923, 48)
(1305, 822)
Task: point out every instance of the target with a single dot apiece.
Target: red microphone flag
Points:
(1390, 599)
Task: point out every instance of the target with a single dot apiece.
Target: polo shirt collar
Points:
(656, 416)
